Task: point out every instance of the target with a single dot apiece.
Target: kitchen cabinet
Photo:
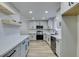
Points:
(53, 44)
(50, 23)
(20, 50)
(44, 24)
(37, 22)
(23, 49)
(32, 25)
(27, 45)
(47, 39)
(58, 43)
(66, 6)
(15, 52)
(32, 36)
(10, 53)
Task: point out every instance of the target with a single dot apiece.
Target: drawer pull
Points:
(12, 53)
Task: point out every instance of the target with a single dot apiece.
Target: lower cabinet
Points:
(33, 37)
(15, 52)
(20, 50)
(23, 48)
(58, 47)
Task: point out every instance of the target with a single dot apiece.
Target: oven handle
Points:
(12, 53)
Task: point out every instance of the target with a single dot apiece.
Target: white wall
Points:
(78, 36)
(69, 37)
(7, 31)
(24, 27)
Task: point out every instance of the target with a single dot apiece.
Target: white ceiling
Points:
(38, 9)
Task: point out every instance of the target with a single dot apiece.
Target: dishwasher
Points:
(53, 45)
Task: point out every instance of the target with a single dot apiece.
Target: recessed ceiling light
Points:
(30, 12)
(46, 12)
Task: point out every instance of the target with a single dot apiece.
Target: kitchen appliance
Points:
(39, 33)
(39, 27)
(53, 45)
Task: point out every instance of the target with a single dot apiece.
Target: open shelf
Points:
(11, 22)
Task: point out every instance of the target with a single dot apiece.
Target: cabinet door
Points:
(33, 37)
(10, 53)
(18, 51)
(15, 52)
(23, 51)
(58, 48)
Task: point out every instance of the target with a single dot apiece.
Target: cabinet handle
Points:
(23, 42)
(12, 53)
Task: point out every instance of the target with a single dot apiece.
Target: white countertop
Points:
(9, 43)
(58, 37)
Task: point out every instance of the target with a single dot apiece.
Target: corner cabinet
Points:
(66, 6)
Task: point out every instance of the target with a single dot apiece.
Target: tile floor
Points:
(39, 48)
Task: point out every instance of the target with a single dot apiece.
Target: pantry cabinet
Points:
(58, 47)
(23, 48)
(18, 49)
(50, 23)
(15, 52)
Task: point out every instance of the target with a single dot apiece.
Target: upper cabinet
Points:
(69, 8)
(50, 23)
(4, 8)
